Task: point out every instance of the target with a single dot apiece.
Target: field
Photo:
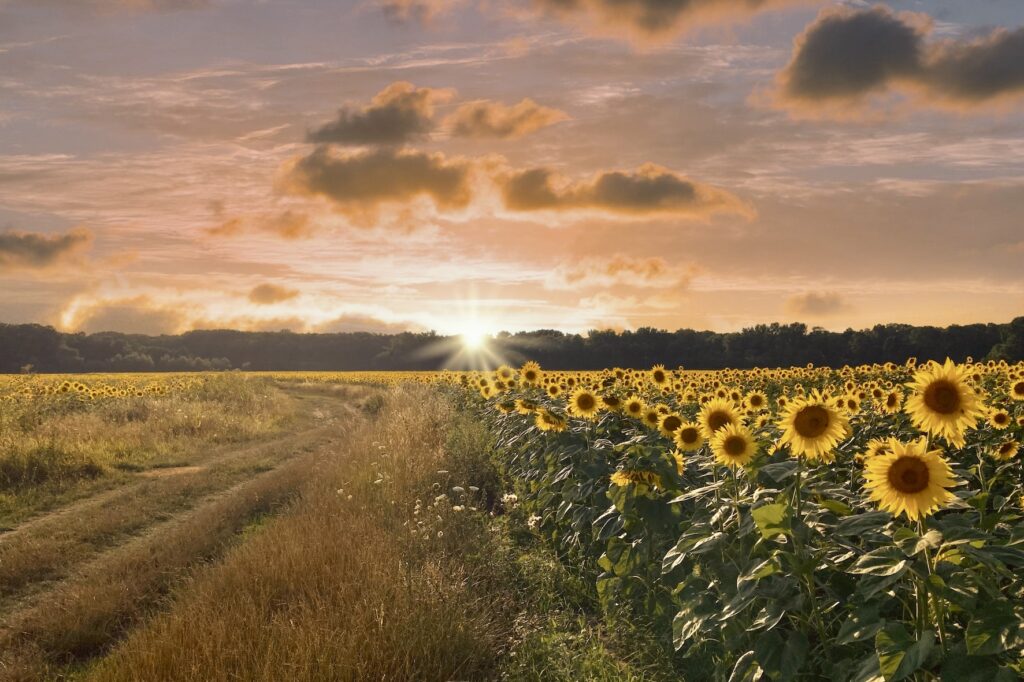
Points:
(859, 523)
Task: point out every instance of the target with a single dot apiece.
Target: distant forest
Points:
(37, 348)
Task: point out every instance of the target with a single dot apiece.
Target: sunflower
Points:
(877, 446)
(530, 373)
(651, 417)
(669, 424)
(547, 420)
(612, 402)
(554, 390)
(526, 406)
(811, 427)
(756, 400)
(733, 445)
(715, 414)
(1006, 450)
(892, 403)
(688, 437)
(659, 375)
(1017, 389)
(636, 477)
(943, 402)
(583, 403)
(998, 418)
(910, 479)
(634, 406)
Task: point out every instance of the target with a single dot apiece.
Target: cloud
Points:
(655, 19)
(649, 190)
(134, 315)
(397, 114)
(289, 224)
(485, 118)
(620, 270)
(358, 184)
(816, 304)
(34, 251)
(365, 323)
(849, 58)
(422, 11)
(268, 294)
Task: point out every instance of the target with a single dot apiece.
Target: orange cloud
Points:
(423, 11)
(816, 304)
(649, 190)
(399, 113)
(847, 59)
(132, 315)
(620, 270)
(485, 118)
(288, 224)
(358, 184)
(36, 251)
(268, 294)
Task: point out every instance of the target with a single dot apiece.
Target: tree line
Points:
(32, 347)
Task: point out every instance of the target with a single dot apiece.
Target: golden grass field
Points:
(806, 523)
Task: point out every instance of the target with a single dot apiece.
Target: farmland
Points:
(856, 523)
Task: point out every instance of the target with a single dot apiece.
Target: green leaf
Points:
(690, 620)
(899, 655)
(885, 561)
(862, 624)
(995, 627)
(837, 507)
(771, 520)
(746, 669)
(862, 523)
(781, 658)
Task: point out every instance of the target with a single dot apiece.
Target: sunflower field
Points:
(862, 523)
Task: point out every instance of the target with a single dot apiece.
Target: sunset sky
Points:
(461, 165)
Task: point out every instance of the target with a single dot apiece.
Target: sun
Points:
(473, 337)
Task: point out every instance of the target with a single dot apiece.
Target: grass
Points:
(389, 554)
(54, 449)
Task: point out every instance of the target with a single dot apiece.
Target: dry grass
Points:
(340, 587)
(90, 610)
(52, 447)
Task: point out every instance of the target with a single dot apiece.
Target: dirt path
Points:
(73, 580)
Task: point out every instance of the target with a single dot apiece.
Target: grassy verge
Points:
(57, 448)
(400, 560)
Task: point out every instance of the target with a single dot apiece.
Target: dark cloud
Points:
(847, 55)
(816, 304)
(136, 315)
(978, 71)
(399, 113)
(648, 190)
(32, 250)
(361, 182)
(365, 323)
(654, 19)
(494, 119)
(268, 294)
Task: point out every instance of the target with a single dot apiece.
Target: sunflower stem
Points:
(940, 611)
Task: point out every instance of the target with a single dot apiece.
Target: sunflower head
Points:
(943, 403)
(688, 437)
(634, 406)
(659, 375)
(530, 373)
(1017, 389)
(583, 403)
(612, 402)
(909, 479)
(1006, 450)
(811, 427)
(669, 424)
(716, 414)
(999, 418)
(733, 445)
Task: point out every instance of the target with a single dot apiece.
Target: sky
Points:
(470, 166)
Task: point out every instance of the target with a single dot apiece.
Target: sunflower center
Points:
(755, 401)
(942, 396)
(811, 421)
(1018, 388)
(634, 408)
(659, 376)
(530, 375)
(734, 446)
(891, 400)
(1001, 418)
(718, 419)
(1006, 448)
(689, 435)
(585, 402)
(908, 475)
(672, 423)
